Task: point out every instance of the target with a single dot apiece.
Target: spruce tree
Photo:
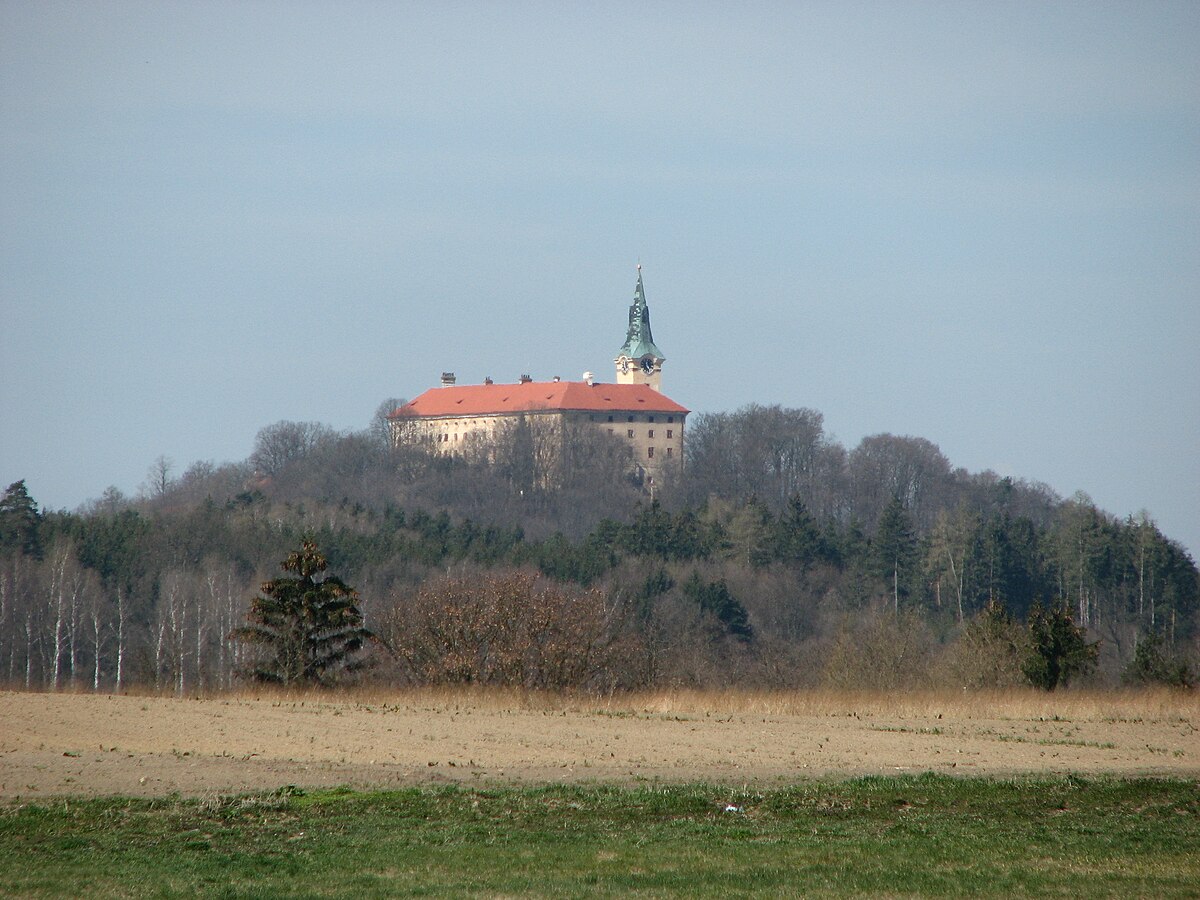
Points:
(309, 624)
(894, 550)
(20, 521)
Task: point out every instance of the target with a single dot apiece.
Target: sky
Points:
(975, 223)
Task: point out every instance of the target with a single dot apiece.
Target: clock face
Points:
(647, 365)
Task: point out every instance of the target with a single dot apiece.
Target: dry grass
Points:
(1014, 703)
(1125, 705)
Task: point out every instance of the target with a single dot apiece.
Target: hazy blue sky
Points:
(975, 223)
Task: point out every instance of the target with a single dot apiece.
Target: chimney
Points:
(448, 379)
(488, 380)
(557, 379)
(589, 378)
(525, 379)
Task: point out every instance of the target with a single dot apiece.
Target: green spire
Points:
(639, 341)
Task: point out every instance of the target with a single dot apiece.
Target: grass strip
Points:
(928, 835)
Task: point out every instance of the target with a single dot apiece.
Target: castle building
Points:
(450, 418)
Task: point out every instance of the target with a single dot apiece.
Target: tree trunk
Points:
(896, 587)
(97, 632)
(120, 639)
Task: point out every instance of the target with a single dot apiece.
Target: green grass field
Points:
(928, 835)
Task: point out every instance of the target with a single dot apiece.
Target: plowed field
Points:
(59, 744)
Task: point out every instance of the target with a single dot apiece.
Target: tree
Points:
(751, 531)
(714, 598)
(895, 550)
(887, 466)
(513, 628)
(380, 429)
(1152, 665)
(275, 446)
(797, 539)
(880, 651)
(766, 451)
(990, 652)
(1059, 648)
(158, 476)
(309, 624)
(949, 544)
(19, 521)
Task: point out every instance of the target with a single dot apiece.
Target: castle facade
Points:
(450, 418)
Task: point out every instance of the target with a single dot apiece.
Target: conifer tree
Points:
(19, 521)
(713, 597)
(895, 550)
(1060, 648)
(309, 624)
(1151, 664)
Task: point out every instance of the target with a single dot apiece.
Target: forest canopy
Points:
(777, 558)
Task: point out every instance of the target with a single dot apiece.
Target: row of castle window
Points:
(650, 419)
(444, 437)
(649, 433)
(592, 418)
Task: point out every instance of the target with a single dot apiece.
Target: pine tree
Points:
(309, 624)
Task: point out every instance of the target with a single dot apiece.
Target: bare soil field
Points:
(83, 744)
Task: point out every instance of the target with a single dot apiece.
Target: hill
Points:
(780, 558)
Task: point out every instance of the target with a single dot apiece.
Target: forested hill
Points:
(780, 558)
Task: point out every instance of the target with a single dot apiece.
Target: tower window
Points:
(670, 433)
(631, 432)
(650, 453)
(650, 433)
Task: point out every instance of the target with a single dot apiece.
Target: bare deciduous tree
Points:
(511, 628)
(277, 445)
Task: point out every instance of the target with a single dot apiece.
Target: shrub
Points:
(512, 629)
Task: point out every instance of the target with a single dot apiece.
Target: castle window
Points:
(631, 418)
(669, 453)
(670, 419)
(610, 418)
(670, 433)
(650, 453)
(610, 431)
(650, 433)
(631, 432)
(650, 419)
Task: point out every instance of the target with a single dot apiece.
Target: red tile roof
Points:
(498, 399)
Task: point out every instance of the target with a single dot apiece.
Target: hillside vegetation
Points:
(779, 559)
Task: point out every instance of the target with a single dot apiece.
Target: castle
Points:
(449, 418)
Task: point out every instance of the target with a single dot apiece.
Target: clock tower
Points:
(639, 361)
